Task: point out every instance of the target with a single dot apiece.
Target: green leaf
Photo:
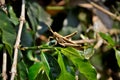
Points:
(34, 70)
(42, 76)
(61, 63)
(30, 55)
(108, 38)
(8, 32)
(1, 46)
(81, 63)
(64, 75)
(88, 53)
(54, 66)
(46, 66)
(13, 16)
(22, 71)
(117, 54)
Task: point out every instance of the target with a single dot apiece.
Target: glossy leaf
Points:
(34, 70)
(117, 54)
(46, 66)
(8, 32)
(61, 63)
(82, 64)
(108, 38)
(64, 75)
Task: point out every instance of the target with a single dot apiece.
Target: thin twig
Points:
(22, 20)
(4, 66)
(36, 47)
(84, 41)
(105, 11)
(71, 35)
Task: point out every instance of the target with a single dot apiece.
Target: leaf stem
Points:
(38, 47)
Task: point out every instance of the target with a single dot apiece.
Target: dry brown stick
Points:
(22, 20)
(70, 44)
(105, 11)
(85, 41)
(4, 66)
(71, 35)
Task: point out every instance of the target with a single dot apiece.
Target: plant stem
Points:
(4, 75)
(105, 11)
(37, 47)
(22, 20)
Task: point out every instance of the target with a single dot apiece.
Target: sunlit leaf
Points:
(61, 63)
(8, 32)
(117, 54)
(64, 75)
(108, 38)
(34, 70)
(82, 64)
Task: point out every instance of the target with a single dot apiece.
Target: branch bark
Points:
(105, 11)
(22, 20)
(4, 66)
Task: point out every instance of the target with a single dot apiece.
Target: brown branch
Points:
(85, 41)
(105, 11)
(71, 35)
(4, 69)
(22, 20)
